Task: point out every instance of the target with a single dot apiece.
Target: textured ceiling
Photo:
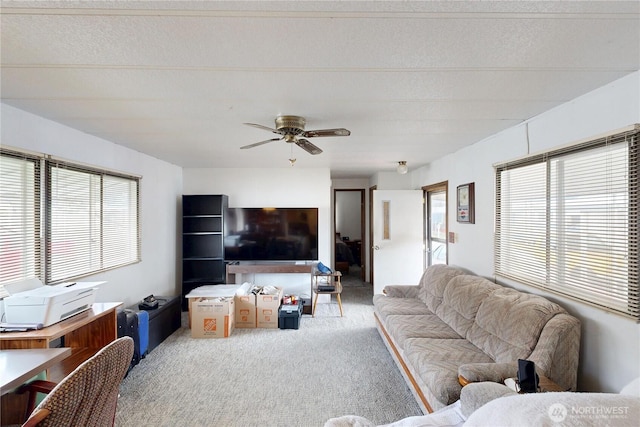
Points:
(411, 80)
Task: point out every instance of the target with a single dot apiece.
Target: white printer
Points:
(49, 304)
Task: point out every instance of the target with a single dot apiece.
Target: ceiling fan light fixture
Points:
(402, 167)
(291, 128)
(292, 160)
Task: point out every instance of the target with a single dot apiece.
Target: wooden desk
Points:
(19, 366)
(85, 333)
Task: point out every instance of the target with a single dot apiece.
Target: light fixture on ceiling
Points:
(402, 167)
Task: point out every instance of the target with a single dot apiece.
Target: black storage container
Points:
(289, 316)
(164, 320)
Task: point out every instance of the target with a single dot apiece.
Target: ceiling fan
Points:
(292, 130)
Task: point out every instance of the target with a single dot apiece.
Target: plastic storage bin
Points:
(289, 316)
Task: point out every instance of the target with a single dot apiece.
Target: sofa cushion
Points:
(402, 327)
(509, 323)
(436, 362)
(462, 351)
(386, 306)
(433, 282)
(461, 300)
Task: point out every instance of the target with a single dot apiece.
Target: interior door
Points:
(398, 245)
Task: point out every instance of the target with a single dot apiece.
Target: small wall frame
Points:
(465, 203)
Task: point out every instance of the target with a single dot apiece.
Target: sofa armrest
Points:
(401, 291)
(557, 352)
(476, 395)
(494, 372)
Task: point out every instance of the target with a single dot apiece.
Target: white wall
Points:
(276, 187)
(351, 183)
(610, 350)
(392, 180)
(160, 189)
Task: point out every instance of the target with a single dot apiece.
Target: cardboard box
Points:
(245, 307)
(210, 291)
(267, 309)
(212, 317)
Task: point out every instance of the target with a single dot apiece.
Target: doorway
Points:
(349, 226)
(436, 226)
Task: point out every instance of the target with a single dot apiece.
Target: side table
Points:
(326, 283)
(545, 385)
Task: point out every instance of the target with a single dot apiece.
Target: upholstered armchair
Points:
(87, 396)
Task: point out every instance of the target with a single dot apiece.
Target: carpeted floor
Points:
(330, 366)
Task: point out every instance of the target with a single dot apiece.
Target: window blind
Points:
(92, 221)
(19, 217)
(567, 221)
(120, 244)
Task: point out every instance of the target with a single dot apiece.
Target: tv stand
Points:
(233, 269)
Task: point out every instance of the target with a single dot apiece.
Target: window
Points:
(567, 222)
(436, 223)
(19, 217)
(90, 220)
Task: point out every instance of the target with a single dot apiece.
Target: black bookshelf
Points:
(202, 242)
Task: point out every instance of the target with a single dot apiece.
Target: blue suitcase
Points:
(143, 331)
(128, 326)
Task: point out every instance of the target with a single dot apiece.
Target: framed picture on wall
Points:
(465, 209)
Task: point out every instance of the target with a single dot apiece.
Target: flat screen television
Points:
(271, 234)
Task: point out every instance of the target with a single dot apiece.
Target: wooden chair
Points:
(87, 396)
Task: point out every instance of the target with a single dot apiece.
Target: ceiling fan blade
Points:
(326, 132)
(264, 128)
(308, 147)
(259, 143)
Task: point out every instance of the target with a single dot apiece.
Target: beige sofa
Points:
(455, 328)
